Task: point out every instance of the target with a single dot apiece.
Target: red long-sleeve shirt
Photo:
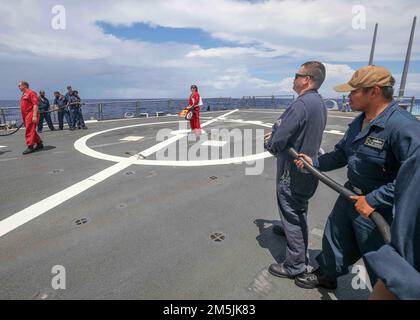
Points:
(194, 99)
(28, 101)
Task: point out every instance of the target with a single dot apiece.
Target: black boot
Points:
(28, 151)
(316, 279)
(278, 271)
(39, 146)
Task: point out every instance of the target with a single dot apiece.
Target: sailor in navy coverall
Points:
(301, 126)
(377, 142)
(397, 264)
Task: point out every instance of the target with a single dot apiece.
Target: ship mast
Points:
(407, 60)
(372, 51)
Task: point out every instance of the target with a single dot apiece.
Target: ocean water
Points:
(115, 109)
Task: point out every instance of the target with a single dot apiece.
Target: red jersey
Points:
(194, 99)
(28, 101)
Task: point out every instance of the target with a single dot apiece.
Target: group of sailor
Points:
(35, 109)
(381, 150)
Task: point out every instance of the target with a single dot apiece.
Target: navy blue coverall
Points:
(44, 108)
(398, 264)
(76, 116)
(301, 126)
(63, 111)
(373, 156)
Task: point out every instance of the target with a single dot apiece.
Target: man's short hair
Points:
(25, 84)
(388, 91)
(56, 92)
(317, 71)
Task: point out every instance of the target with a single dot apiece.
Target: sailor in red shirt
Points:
(30, 116)
(194, 103)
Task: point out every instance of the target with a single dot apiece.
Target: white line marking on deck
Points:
(8, 159)
(342, 117)
(176, 132)
(282, 111)
(122, 141)
(81, 146)
(164, 144)
(214, 143)
(332, 296)
(132, 138)
(3, 147)
(337, 132)
(109, 144)
(20, 218)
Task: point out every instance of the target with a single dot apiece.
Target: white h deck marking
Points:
(20, 218)
(337, 132)
(132, 138)
(214, 143)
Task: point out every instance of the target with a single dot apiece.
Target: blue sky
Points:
(196, 36)
(159, 34)
(231, 48)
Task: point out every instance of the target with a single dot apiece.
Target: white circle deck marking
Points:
(81, 146)
(26, 215)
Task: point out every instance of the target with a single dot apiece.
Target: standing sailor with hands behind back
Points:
(44, 111)
(301, 126)
(29, 103)
(374, 147)
(195, 103)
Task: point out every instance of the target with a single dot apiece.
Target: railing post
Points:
(413, 102)
(100, 111)
(137, 108)
(3, 115)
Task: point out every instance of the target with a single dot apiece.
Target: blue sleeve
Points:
(398, 264)
(333, 160)
(399, 277)
(404, 143)
(286, 127)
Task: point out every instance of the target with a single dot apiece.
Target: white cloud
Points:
(271, 38)
(231, 52)
(239, 78)
(338, 70)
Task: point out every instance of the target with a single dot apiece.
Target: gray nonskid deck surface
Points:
(150, 226)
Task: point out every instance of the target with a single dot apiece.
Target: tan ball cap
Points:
(367, 77)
